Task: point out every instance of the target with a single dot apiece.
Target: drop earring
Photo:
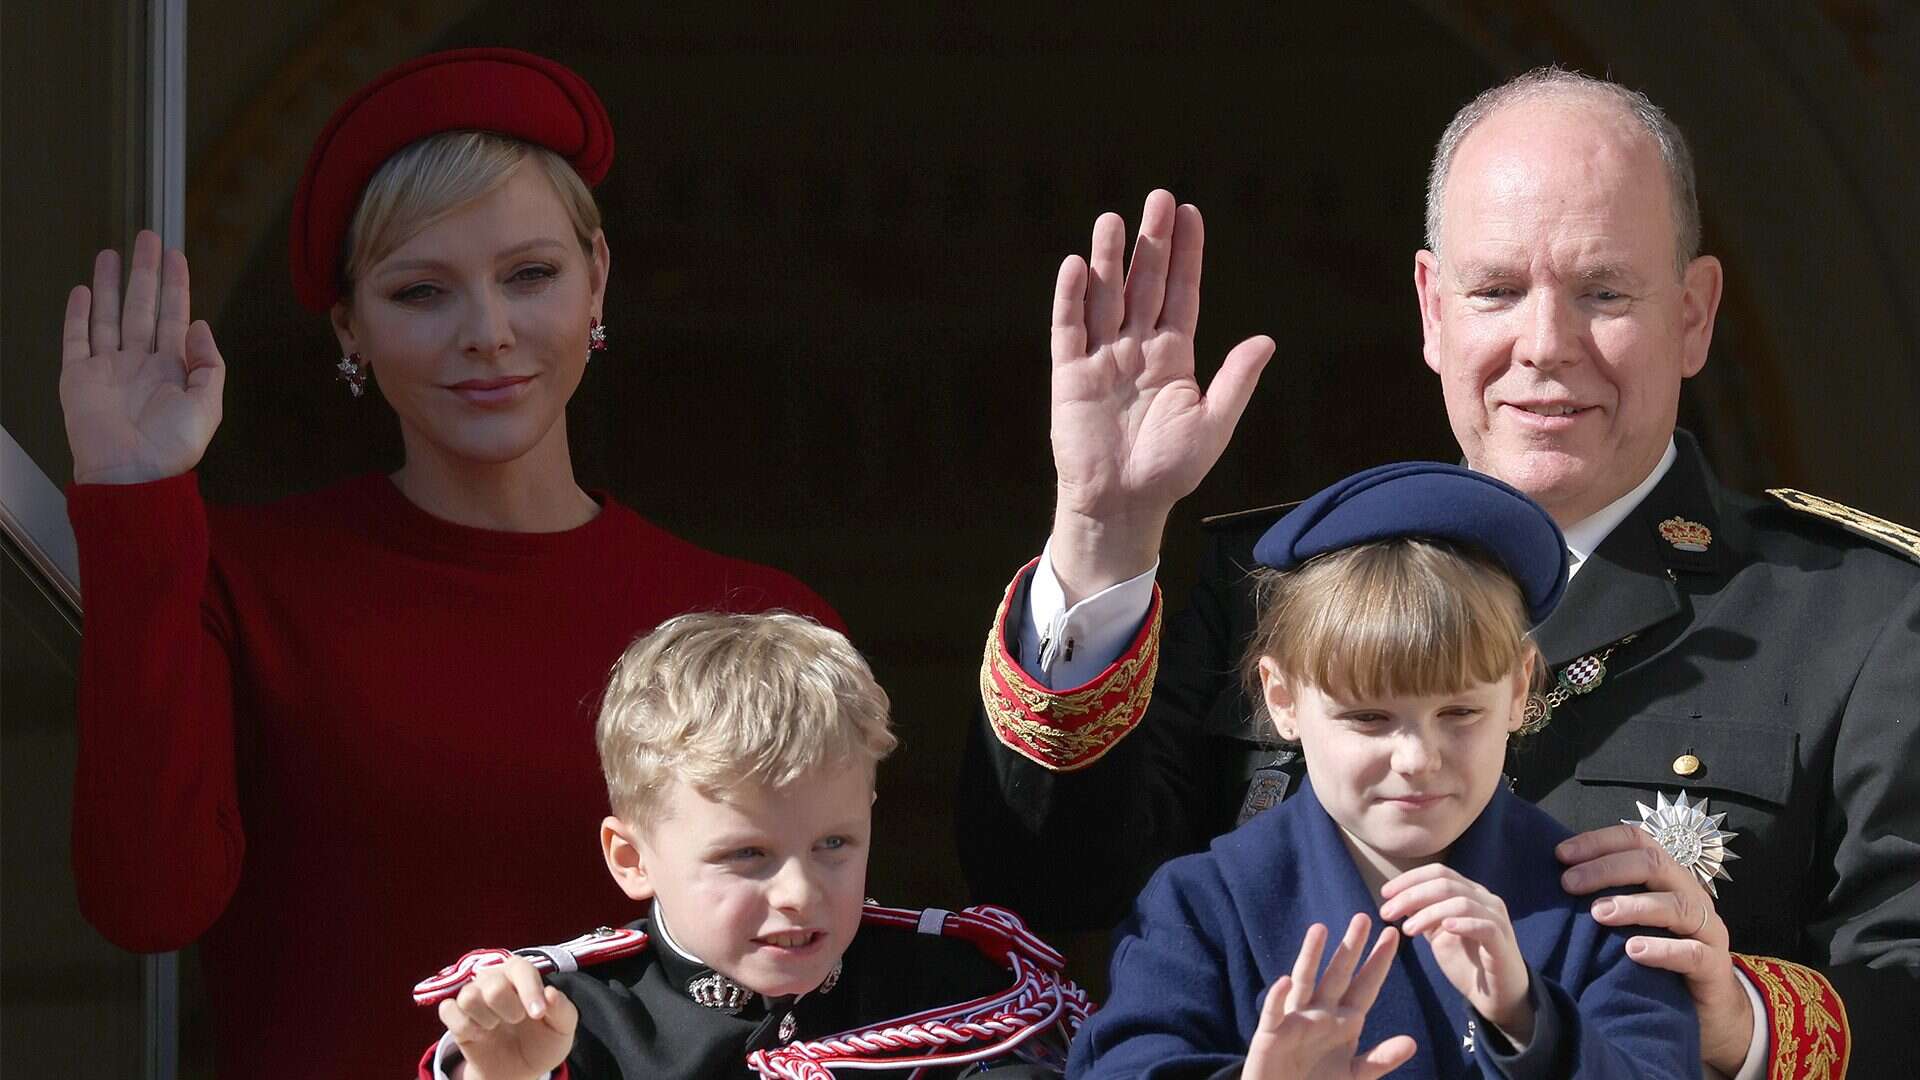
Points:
(353, 371)
(596, 336)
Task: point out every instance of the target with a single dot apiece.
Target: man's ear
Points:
(1280, 700)
(626, 860)
(1703, 282)
(1426, 286)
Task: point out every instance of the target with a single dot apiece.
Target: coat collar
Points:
(1630, 583)
(1417, 994)
(1479, 853)
(707, 987)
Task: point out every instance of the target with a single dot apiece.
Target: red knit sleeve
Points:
(157, 841)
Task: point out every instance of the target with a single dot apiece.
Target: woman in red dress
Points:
(299, 723)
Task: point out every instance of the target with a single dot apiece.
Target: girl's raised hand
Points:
(1472, 940)
(1310, 1025)
(140, 385)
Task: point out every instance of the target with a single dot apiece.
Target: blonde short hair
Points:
(1397, 617)
(717, 701)
(441, 173)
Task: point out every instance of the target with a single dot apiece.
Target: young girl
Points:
(1392, 647)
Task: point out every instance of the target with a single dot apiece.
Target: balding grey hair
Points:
(1554, 82)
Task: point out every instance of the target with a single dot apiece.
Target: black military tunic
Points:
(639, 1017)
(1775, 673)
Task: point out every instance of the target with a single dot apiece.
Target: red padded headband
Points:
(504, 91)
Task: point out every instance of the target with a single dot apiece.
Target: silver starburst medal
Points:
(1694, 839)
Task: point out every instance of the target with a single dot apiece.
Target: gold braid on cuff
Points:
(1067, 729)
(1807, 1021)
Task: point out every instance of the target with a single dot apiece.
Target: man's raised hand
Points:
(1133, 433)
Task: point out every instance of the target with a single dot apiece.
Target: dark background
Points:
(834, 236)
(834, 242)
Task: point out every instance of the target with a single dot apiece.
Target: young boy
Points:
(739, 752)
(1392, 647)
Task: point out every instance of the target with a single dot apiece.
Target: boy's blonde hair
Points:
(441, 173)
(716, 701)
(1396, 617)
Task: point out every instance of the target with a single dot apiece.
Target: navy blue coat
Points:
(1213, 931)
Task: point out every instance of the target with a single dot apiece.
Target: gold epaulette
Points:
(1064, 730)
(1858, 522)
(1806, 1020)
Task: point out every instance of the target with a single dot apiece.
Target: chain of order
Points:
(1539, 709)
(1563, 690)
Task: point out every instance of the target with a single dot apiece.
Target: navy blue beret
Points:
(1434, 501)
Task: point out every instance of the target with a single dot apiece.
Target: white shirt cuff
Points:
(446, 1057)
(1062, 647)
(1758, 1056)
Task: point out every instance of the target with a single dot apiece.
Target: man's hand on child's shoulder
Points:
(1310, 1027)
(509, 1024)
(1472, 939)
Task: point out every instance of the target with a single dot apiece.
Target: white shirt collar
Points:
(666, 935)
(1585, 536)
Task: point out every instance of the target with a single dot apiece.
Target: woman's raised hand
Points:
(139, 384)
(1132, 431)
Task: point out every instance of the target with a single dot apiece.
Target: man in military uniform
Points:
(1715, 654)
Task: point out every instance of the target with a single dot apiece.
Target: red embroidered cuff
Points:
(1806, 1019)
(1064, 730)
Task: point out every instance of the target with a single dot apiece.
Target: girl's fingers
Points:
(1472, 928)
(1389, 1055)
(1429, 918)
(1306, 967)
(1415, 894)
(1275, 1009)
(1373, 974)
(1339, 973)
